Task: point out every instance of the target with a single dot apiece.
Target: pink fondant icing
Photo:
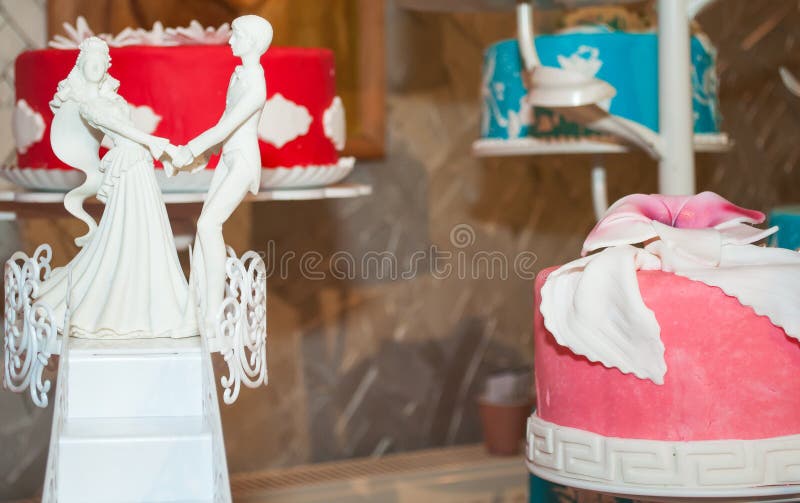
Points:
(731, 374)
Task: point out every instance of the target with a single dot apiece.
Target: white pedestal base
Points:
(137, 378)
(135, 420)
(135, 459)
(139, 423)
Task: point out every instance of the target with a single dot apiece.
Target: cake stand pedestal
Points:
(137, 420)
(30, 204)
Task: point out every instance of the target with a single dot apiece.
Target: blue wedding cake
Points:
(787, 218)
(626, 60)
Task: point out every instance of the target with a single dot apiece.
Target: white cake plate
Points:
(64, 180)
(486, 147)
(340, 191)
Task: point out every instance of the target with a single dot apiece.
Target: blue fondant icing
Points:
(628, 61)
(788, 221)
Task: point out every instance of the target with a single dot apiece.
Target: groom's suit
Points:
(238, 171)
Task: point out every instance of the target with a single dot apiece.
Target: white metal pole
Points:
(599, 189)
(525, 37)
(676, 169)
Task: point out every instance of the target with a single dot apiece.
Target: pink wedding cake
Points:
(667, 357)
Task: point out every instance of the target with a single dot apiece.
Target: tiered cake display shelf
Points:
(725, 470)
(551, 87)
(531, 146)
(21, 203)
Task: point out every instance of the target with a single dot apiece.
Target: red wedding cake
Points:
(175, 81)
(670, 369)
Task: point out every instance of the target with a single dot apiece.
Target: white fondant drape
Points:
(594, 307)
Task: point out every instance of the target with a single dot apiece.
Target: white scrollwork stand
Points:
(31, 336)
(241, 330)
(60, 413)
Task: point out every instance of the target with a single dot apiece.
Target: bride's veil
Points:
(77, 145)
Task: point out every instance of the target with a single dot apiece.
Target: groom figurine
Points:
(239, 168)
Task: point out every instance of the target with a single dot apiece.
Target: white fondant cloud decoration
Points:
(282, 121)
(27, 126)
(333, 120)
(143, 117)
(335, 123)
(194, 34)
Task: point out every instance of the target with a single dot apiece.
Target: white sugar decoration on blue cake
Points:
(628, 61)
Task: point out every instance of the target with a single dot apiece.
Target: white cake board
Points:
(488, 147)
(339, 191)
(64, 180)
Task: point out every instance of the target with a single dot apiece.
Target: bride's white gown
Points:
(127, 281)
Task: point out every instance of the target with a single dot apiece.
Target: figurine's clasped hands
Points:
(169, 163)
(182, 156)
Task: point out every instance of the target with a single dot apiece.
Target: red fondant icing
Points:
(731, 374)
(186, 86)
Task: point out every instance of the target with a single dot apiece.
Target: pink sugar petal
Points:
(708, 209)
(628, 221)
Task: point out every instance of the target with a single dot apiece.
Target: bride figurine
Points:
(126, 281)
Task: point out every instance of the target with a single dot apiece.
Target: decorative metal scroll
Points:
(241, 324)
(31, 333)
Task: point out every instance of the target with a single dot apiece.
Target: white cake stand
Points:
(489, 147)
(143, 418)
(22, 201)
(64, 180)
(673, 147)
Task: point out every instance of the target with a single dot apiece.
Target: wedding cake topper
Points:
(127, 282)
(239, 169)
